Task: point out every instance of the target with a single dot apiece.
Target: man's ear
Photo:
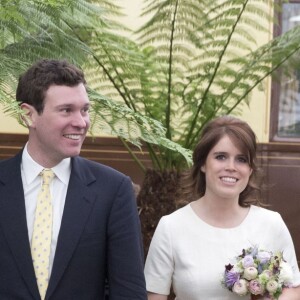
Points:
(27, 113)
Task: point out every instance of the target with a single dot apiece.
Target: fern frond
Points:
(115, 119)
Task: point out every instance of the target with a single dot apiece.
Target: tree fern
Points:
(191, 60)
(62, 29)
(197, 59)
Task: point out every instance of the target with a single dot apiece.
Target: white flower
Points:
(272, 286)
(286, 273)
(258, 272)
(250, 273)
(240, 287)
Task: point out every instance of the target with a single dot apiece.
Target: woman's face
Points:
(227, 170)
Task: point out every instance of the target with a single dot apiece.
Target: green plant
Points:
(192, 60)
(66, 29)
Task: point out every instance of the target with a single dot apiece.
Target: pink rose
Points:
(240, 287)
(250, 273)
(256, 288)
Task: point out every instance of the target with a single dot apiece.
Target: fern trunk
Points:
(158, 197)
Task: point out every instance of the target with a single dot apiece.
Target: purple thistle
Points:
(231, 278)
(260, 268)
(254, 251)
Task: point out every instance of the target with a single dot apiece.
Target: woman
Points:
(191, 246)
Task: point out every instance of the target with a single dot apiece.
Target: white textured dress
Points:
(191, 254)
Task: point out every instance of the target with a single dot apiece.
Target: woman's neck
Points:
(223, 214)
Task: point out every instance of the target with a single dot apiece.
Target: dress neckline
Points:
(244, 221)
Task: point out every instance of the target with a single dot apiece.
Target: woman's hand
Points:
(153, 296)
(290, 294)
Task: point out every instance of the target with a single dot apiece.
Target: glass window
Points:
(286, 92)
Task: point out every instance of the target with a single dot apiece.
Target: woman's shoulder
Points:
(178, 215)
(177, 224)
(266, 214)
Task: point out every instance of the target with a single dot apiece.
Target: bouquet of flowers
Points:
(258, 272)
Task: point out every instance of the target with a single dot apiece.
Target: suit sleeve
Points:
(125, 261)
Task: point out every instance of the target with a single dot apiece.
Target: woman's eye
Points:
(220, 157)
(243, 160)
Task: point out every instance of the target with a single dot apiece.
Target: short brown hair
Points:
(34, 83)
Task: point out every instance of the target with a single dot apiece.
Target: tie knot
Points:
(47, 176)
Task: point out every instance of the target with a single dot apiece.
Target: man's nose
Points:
(80, 120)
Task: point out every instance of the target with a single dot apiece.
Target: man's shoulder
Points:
(96, 167)
(8, 162)
(98, 173)
(10, 168)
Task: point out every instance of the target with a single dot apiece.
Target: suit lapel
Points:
(13, 220)
(78, 206)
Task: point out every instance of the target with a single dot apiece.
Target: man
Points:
(95, 230)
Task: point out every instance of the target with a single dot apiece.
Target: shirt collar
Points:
(32, 169)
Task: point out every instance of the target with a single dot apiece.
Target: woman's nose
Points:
(230, 164)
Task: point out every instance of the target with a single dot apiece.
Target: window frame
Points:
(275, 95)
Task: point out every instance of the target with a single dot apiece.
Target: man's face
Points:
(59, 131)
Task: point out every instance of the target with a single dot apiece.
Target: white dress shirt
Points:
(30, 171)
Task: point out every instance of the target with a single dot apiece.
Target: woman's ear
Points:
(26, 115)
(203, 168)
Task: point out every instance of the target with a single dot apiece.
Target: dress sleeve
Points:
(289, 254)
(159, 265)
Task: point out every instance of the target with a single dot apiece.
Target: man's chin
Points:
(72, 153)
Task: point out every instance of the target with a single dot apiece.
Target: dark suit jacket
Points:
(99, 236)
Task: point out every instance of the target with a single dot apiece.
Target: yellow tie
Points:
(42, 233)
